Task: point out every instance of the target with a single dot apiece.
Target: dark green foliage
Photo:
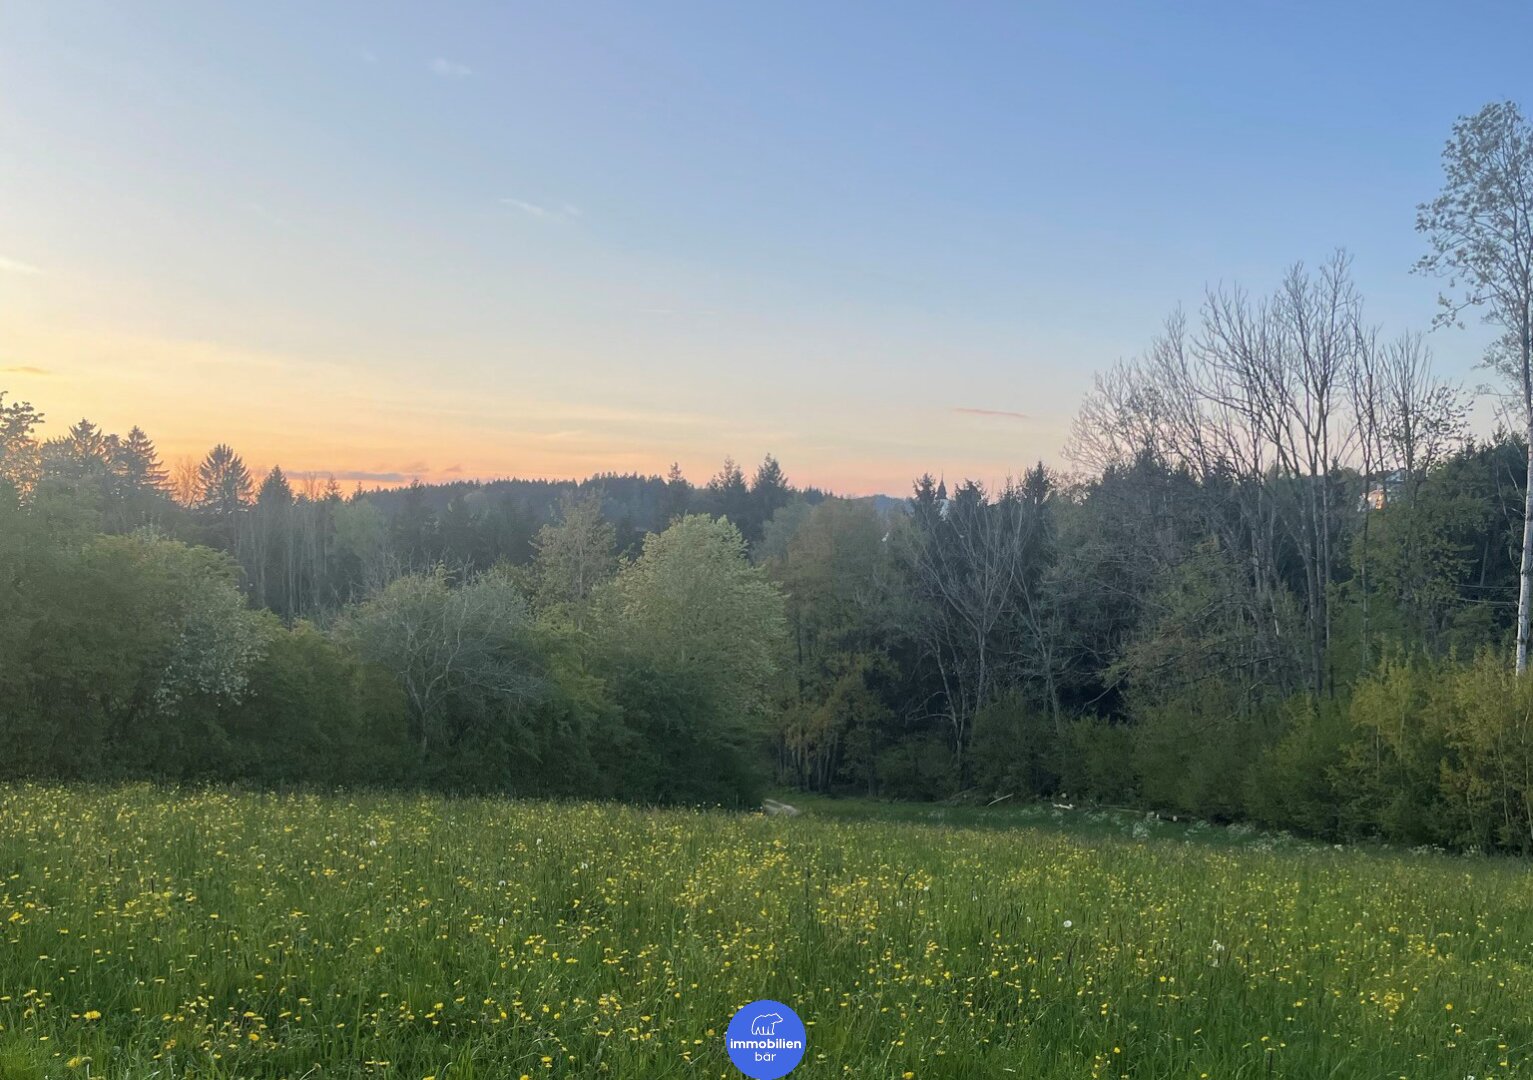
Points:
(313, 715)
(1192, 753)
(1108, 641)
(671, 749)
(1017, 749)
(1098, 761)
(919, 768)
(1297, 782)
(116, 652)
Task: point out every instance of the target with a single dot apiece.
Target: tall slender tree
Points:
(1479, 231)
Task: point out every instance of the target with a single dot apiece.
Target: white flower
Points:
(1068, 924)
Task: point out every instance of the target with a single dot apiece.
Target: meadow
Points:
(145, 932)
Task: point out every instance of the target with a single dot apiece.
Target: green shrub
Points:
(1295, 784)
(1099, 761)
(1015, 750)
(919, 768)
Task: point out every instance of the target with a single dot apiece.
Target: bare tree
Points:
(1422, 417)
(969, 562)
(1255, 405)
(1480, 233)
(1319, 317)
(184, 484)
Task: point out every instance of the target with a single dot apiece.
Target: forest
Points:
(1278, 582)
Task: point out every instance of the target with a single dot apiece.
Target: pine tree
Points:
(223, 483)
(137, 485)
(728, 495)
(769, 494)
(275, 489)
(678, 495)
(78, 457)
(137, 465)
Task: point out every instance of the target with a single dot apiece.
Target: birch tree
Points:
(1479, 232)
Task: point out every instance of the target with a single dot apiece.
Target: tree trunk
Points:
(1525, 574)
(1525, 577)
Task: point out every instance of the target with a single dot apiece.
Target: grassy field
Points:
(144, 933)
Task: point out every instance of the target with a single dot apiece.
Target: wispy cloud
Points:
(453, 469)
(1006, 414)
(449, 69)
(562, 212)
(24, 369)
(16, 266)
(360, 475)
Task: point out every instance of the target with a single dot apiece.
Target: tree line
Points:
(1283, 583)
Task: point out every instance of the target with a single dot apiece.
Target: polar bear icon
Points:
(765, 1024)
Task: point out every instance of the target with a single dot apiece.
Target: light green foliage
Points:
(1445, 753)
(1489, 777)
(216, 638)
(1395, 764)
(573, 556)
(692, 606)
(1299, 781)
(108, 645)
(781, 528)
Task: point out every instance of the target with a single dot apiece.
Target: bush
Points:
(314, 714)
(1393, 766)
(917, 768)
(672, 750)
(1489, 778)
(1296, 783)
(1098, 761)
(1015, 750)
(1193, 751)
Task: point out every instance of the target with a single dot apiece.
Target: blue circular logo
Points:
(765, 1040)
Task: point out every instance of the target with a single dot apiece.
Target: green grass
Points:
(148, 933)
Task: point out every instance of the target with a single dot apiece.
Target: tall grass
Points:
(148, 933)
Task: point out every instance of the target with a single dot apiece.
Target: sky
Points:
(461, 240)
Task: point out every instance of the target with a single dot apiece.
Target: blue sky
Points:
(546, 239)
